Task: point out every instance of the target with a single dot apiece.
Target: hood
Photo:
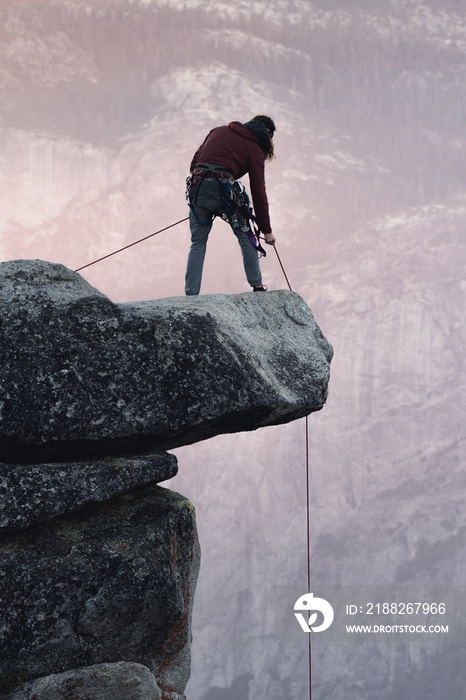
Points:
(242, 129)
(254, 131)
(260, 131)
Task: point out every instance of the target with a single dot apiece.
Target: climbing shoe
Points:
(260, 288)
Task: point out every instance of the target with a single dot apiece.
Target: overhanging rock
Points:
(81, 376)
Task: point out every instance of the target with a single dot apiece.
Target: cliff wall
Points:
(98, 563)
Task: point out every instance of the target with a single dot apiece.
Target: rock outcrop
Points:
(39, 492)
(82, 376)
(98, 563)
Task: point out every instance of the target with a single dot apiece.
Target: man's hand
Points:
(269, 238)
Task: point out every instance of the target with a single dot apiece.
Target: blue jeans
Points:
(206, 202)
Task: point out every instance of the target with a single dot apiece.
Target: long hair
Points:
(269, 153)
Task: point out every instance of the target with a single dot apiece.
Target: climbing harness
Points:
(307, 459)
(238, 211)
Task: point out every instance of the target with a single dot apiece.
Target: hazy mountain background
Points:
(102, 104)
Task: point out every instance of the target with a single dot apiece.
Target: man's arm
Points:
(259, 194)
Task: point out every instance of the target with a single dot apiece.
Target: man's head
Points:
(267, 121)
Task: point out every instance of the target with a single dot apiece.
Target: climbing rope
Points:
(308, 509)
(283, 269)
(307, 419)
(308, 530)
(131, 244)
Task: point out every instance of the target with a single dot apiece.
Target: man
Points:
(228, 153)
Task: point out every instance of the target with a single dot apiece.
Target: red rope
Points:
(283, 269)
(308, 528)
(131, 244)
(308, 508)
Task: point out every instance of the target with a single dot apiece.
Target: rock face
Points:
(39, 492)
(121, 681)
(82, 376)
(98, 563)
(109, 583)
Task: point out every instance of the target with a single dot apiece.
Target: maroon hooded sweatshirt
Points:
(237, 148)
